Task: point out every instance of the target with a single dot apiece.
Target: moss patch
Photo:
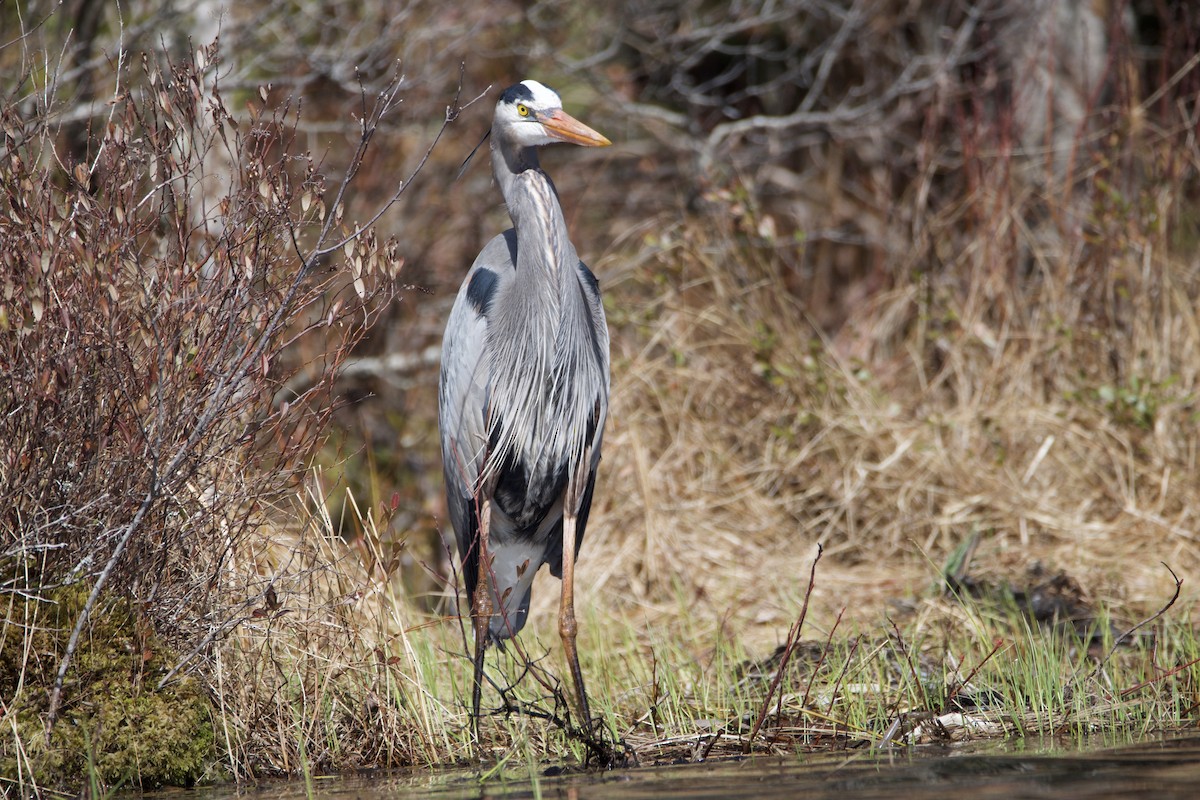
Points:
(113, 725)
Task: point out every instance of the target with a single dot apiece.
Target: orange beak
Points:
(564, 127)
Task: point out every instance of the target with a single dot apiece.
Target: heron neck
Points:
(541, 333)
(509, 161)
(545, 259)
(533, 206)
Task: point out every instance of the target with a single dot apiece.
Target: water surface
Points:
(1164, 768)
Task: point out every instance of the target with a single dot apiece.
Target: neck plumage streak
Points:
(535, 335)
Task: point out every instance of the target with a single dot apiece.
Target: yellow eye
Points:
(522, 109)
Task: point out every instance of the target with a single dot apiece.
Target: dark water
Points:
(1165, 768)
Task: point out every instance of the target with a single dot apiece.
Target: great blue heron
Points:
(523, 395)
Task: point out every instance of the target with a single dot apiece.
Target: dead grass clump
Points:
(330, 669)
(742, 436)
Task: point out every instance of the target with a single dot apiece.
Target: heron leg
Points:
(482, 605)
(566, 614)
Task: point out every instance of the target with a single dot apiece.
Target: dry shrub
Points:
(156, 293)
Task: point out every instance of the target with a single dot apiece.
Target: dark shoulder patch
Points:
(589, 278)
(515, 93)
(481, 290)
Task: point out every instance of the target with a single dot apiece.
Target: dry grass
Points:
(741, 437)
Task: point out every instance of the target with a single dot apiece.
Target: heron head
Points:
(530, 114)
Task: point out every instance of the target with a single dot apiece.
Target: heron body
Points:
(523, 395)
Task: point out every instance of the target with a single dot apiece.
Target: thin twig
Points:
(965, 681)
(27, 32)
(837, 684)
(820, 661)
(912, 667)
(1124, 636)
(792, 640)
(1151, 681)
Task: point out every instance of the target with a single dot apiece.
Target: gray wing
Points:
(591, 292)
(463, 384)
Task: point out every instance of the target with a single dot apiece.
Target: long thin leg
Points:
(482, 605)
(566, 607)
